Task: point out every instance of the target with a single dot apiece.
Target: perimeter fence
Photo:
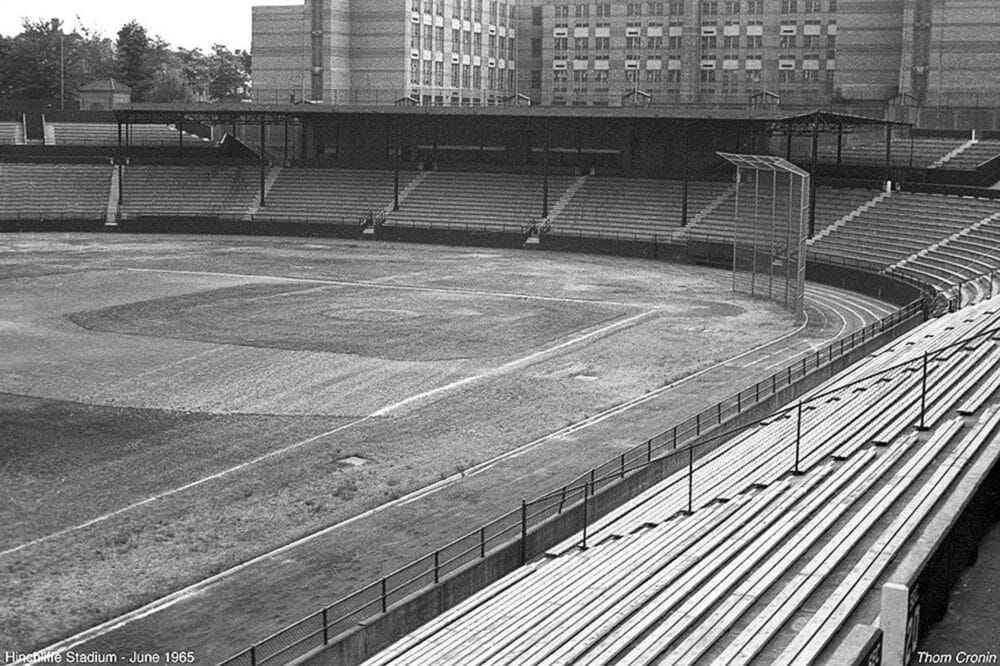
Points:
(673, 449)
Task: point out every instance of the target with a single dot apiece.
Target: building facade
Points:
(736, 51)
(452, 52)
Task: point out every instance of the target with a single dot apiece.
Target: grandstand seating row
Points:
(11, 133)
(942, 240)
(922, 152)
(106, 134)
(770, 567)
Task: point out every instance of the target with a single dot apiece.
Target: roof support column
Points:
(888, 152)
(395, 166)
(180, 136)
(545, 171)
(812, 178)
(840, 142)
(684, 178)
(263, 160)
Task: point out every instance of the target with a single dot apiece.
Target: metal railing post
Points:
(691, 479)
(253, 655)
(623, 466)
(923, 395)
(482, 541)
(586, 500)
(385, 605)
(649, 451)
(524, 532)
(326, 628)
(798, 437)
(437, 567)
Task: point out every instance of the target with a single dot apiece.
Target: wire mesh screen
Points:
(769, 210)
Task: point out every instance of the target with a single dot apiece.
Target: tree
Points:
(229, 80)
(30, 68)
(132, 56)
(169, 86)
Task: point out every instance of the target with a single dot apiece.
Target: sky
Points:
(186, 23)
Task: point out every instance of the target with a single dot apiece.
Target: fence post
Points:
(739, 402)
(385, 605)
(649, 451)
(923, 395)
(675, 436)
(437, 567)
(253, 655)
(524, 532)
(623, 465)
(691, 479)
(798, 437)
(697, 424)
(720, 413)
(326, 628)
(586, 499)
(482, 541)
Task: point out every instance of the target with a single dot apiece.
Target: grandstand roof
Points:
(825, 121)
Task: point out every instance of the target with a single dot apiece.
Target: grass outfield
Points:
(132, 367)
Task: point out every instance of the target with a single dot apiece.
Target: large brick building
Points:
(602, 52)
(381, 51)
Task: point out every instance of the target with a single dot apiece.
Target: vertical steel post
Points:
(812, 177)
(437, 566)
(385, 604)
(923, 395)
(395, 168)
(253, 655)
(482, 541)
(888, 151)
(685, 177)
(691, 479)
(545, 174)
(586, 500)
(326, 628)
(524, 532)
(798, 436)
(263, 160)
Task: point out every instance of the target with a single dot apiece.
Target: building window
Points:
(811, 6)
(536, 46)
(810, 41)
(709, 43)
(415, 38)
(833, 5)
(562, 11)
(603, 11)
(455, 75)
(428, 72)
(633, 9)
(656, 8)
(561, 43)
(582, 11)
(581, 44)
(786, 76)
(633, 43)
(788, 41)
(439, 73)
(708, 76)
(789, 6)
(755, 6)
(674, 42)
(536, 16)
(579, 76)
(655, 43)
(415, 72)
(731, 42)
(810, 76)
(602, 44)
(601, 75)
(477, 77)
(733, 6)
(709, 8)
(654, 75)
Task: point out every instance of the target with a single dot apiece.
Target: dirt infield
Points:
(172, 407)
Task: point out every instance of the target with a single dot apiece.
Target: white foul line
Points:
(380, 413)
(192, 590)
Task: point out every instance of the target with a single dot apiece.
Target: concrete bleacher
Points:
(923, 153)
(340, 196)
(904, 224)
(106, 134)
(769, 567)
(194, 191)
(832, 204)
(608, 206)
(11, 133)
(970, 158)
(488, 201)
(54, 191)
